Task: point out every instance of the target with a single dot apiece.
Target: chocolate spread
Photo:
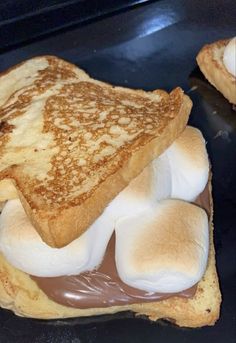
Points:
(102, 287)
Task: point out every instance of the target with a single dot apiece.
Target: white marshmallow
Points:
(164, 249)
(24, 249)
(229, 57)
(152, 184)
(136, 197)
(162, 181)
(181, 172)
(189, 165)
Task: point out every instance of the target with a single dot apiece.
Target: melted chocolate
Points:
(102, 287)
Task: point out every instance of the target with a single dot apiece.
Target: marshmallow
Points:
(152, 184)
(136, 197)
(162, 180)
(189, 165)
(24, 249)
(229, 57)
(164, 249)
(181, 172)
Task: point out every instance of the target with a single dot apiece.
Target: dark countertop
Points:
(25, 20)
(152, 46)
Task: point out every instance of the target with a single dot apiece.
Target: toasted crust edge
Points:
(19, 293)
(215, 72)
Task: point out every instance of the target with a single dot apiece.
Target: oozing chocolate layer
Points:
(103, 287)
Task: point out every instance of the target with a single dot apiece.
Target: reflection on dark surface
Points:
(161, 21)
(216, 102)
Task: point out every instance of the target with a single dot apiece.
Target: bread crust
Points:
(61, 221)
(19, 293)
(210, 62)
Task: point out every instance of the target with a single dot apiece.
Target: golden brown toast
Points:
(69, 144)
(21, 294)
(210, 61)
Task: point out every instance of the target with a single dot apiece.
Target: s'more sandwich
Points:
(106, 200)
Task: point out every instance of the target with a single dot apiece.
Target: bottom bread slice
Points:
(19, 293)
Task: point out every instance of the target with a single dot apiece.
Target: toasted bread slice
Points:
(210, 61)
(21, 294)
(69, 144)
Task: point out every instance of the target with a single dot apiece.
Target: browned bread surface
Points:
(70, 144)
(21, 294)
(210, 61)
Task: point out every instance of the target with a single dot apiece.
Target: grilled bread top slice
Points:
(69, 144)
(210, 61)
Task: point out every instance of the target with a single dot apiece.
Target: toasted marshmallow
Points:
(189, 165)
(24, 249)
(181, 172)
(152, 184)
(164, 249)
(229, 57)
(136, 197)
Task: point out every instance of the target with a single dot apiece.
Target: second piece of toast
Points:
(210, 61)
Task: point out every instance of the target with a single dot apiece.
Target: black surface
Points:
(150, 47)
(22, 21)
(13, 9)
